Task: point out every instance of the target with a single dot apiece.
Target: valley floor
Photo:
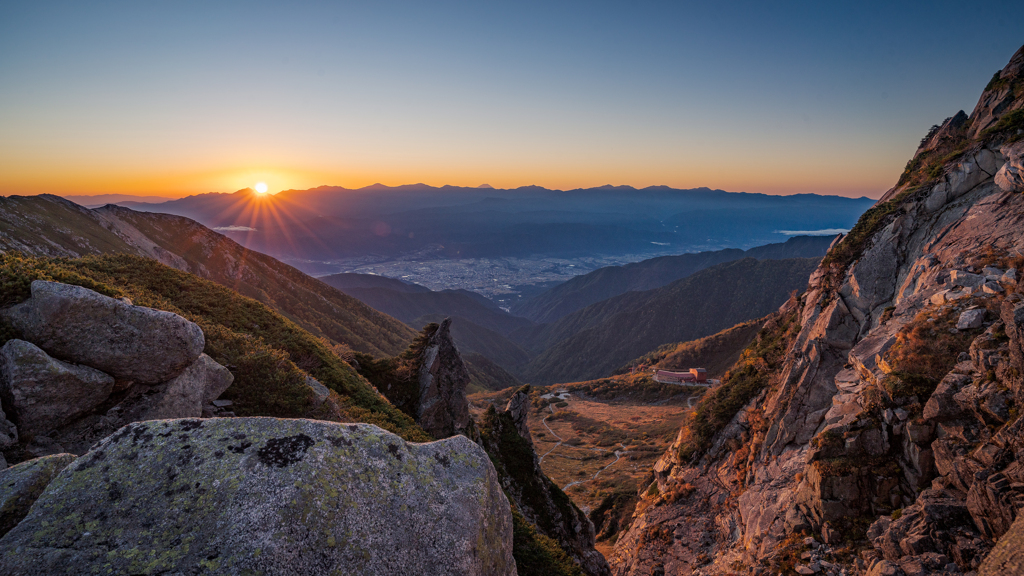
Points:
(603, 442)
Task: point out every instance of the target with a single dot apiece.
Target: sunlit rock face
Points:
(268, 496)
(846, 444)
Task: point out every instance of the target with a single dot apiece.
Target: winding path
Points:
(544, 421)
(618, 454)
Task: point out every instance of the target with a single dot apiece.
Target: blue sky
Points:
(179, 98)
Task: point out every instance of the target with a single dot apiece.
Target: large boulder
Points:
(128, 342)
(267, 496)
(21, 484)
(44, 393)
(185, 395)
(443, 409)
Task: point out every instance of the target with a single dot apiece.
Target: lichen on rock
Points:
(21, 484)
(270, 496)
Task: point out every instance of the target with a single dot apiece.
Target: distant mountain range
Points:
(529, 349)
(326, 223)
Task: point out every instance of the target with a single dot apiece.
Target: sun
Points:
(261, 187)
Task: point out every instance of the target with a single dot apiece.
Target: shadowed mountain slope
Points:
(351, 281)
(408, 306)
(596, 340)
(716, 353)
(611, 281)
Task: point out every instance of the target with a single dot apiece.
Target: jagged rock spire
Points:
(519, 408)
(443, 408)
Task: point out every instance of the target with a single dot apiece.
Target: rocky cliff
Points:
(873, 426)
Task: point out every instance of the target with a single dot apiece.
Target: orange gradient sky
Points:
(172, 100)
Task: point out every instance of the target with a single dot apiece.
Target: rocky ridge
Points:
(886, 441)
(506, 439)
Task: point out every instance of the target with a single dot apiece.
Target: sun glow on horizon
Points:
(261, 187)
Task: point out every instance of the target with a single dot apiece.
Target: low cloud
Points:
(825, 232)
(234, 229)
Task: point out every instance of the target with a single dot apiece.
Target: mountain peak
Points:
(1000, 96)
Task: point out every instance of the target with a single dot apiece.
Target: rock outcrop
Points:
(45, 393)
(534, 494)
(117, 351)
(1010, 177)
(21, 485)
(518, 408)
(128, 342)
(889, 428)
(428, 382)
(186, 394)
(263, 495)
(442, 409)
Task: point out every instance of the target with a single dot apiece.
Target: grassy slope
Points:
(321, 309)
(51, 226)
(593, 342)
(265, 351)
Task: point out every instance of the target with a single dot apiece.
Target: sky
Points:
(179, 98)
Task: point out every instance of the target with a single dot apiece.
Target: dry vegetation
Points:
(716, 353)
(633, 415)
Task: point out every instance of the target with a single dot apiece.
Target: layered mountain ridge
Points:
(313, 228)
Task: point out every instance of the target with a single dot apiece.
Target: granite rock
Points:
(43, 393)
(21, 484)
(128, 342)
(267, 496)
